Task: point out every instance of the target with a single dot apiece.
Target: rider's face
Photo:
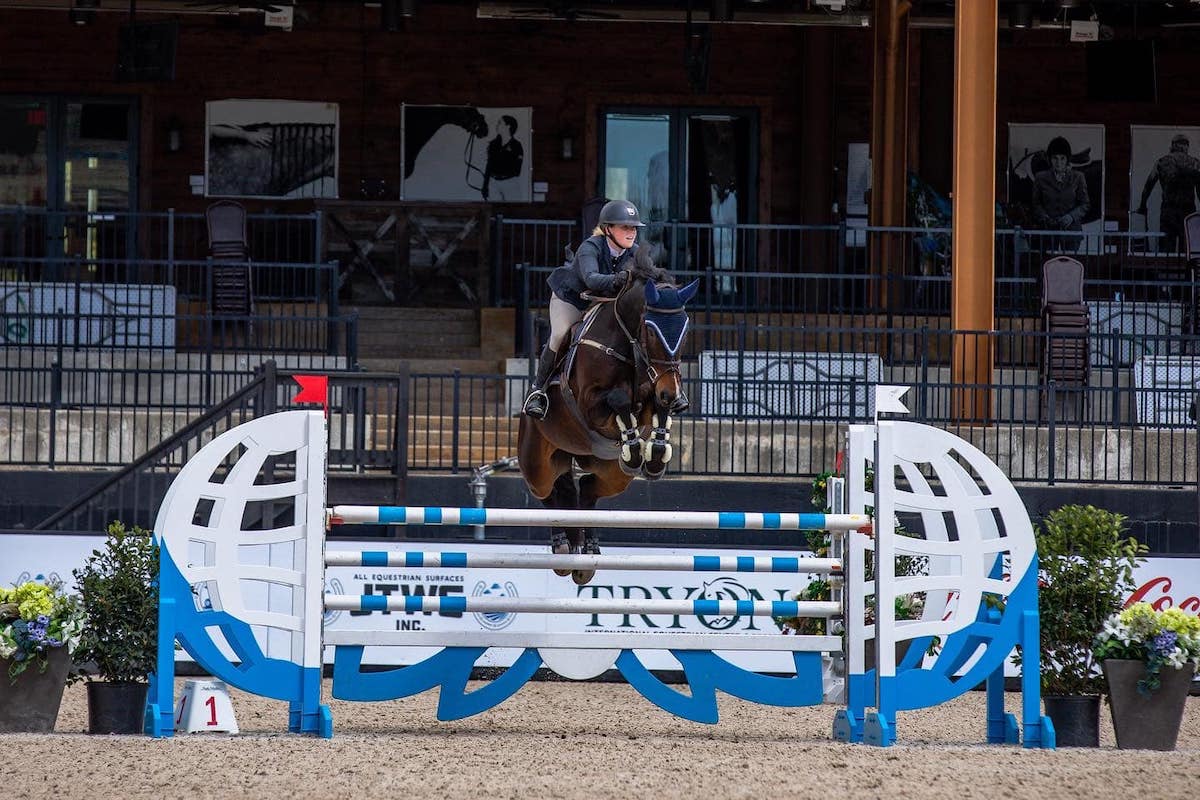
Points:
(625, 235)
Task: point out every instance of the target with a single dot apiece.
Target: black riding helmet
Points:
(620, 212)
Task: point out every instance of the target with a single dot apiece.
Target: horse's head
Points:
(665, 326)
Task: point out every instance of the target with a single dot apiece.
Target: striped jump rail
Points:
(582, 605)
(665, 563)
(570, 518)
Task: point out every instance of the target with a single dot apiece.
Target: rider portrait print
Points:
(1066, 195)
(466, 154)
(1164, 176)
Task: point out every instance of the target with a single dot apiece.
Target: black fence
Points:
(840, 269)
(766, 402)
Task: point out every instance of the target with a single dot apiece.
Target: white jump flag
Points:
(887, 398)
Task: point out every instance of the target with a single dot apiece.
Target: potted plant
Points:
(1086, 572)
(118, 586)
(1148, 658)
(39, 627)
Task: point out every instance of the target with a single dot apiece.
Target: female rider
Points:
(599, 268)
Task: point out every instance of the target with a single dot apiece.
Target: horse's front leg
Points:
(564, 540)
(656, 448)
(619, 402)
(630, 458)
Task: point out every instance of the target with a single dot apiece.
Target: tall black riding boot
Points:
(537, 404)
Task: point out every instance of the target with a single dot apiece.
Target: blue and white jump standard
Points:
(207, 561)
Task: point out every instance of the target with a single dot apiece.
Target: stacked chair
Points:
(1066, 355)
(229, 256)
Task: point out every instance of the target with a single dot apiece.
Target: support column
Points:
(889, 141)
(817, 175)
(974, 275)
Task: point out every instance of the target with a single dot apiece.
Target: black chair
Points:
(230, 294)
(1066, 323)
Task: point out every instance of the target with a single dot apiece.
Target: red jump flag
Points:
(313, 389)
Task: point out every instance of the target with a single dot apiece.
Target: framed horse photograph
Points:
(271, 149)
(466, 154)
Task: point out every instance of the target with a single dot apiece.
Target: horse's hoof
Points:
(560, 546)
(582, 576)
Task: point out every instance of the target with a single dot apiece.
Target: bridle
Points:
(640, 358)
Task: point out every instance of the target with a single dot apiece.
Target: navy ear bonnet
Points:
(665, 314)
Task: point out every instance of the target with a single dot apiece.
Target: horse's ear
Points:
(687, 292)
(651, 294)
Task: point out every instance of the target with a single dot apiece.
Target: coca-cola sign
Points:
(1168, 583)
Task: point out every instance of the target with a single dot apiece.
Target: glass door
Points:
(95, 188)
(691, 174)
(24, 183)
(67, 179)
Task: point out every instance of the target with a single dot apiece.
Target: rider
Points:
(599, 268)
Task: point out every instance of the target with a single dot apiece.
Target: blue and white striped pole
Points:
(463, 560)
(696, 520)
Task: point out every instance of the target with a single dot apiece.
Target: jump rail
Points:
(207, 561)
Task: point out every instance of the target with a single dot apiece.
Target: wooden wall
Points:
(566, 72)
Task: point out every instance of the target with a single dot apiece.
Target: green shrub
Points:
(118, 586)
(1086, 572)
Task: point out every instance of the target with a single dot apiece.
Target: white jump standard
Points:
(978, 541)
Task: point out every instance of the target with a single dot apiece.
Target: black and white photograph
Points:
(1056, 182)
(466, 154)
(1164, 175)
(271, 149)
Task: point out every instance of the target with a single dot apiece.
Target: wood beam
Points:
(889, 137)
(973, 282)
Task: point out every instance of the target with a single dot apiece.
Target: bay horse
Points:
(610, 405)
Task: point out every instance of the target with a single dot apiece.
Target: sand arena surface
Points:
(590, 740)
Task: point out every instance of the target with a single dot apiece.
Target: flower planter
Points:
(31, 704)
(1146, 721)
(116, 706)
(1076, 719)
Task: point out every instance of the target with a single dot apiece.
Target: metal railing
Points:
(363, 435)
(766, 402)
(847, 270)
(34, 235)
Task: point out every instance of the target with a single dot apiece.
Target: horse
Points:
(611, 405)
(422, 122)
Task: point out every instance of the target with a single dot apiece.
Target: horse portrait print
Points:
(271, 148)
(466, 154)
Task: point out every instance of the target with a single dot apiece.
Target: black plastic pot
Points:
(1076, 719)
(116, 707)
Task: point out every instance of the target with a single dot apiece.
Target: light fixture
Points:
(1020, 15)
(83, 12)
(174, 137)
(566, 141)
(392, 11)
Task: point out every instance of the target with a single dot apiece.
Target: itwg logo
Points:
(722, 589)
(495, 620)
(334, 586)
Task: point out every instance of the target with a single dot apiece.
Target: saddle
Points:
(602, 447)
